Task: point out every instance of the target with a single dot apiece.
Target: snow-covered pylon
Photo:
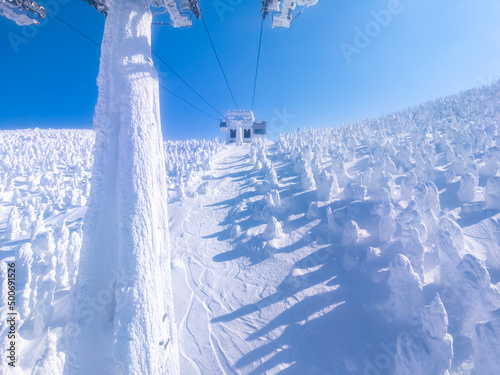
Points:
(284, 9)
(22, 12)
(123, 302)
(177, 14)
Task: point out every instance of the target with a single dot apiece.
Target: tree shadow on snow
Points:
(331, 326)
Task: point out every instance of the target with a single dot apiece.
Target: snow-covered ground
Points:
(371, 248)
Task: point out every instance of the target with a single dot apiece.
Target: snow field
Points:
(45, 180)
(372, 248)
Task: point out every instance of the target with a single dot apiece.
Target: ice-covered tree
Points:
(350, 234)
(327, 185)
(13, 229)
(61, 254)
(273, 199)
(486, 342)
(471, 297)
(73, 257)
(24, 258)
(51, 361)
(406, 297)
(467, 189)
(430, 353)
(273, 229)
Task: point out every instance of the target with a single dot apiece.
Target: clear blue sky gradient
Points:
(429, 49)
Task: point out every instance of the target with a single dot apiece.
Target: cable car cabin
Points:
(241, 127)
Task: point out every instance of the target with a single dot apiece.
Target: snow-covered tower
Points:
(22, 12)
(241, 127)
(125, 256)
(283, 10)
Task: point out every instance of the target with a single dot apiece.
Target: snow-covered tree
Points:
(467, 189)
(73, 257)
(486, 341)
(430, 353)
(273, 229)
(52, 362)
(406, 298)
(13, 229)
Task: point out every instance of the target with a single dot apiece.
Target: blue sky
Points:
(427, 49)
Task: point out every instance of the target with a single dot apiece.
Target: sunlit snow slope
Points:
(371, 248)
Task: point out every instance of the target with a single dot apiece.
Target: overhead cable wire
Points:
(258, 61)
(163, 61)
(187, 84)
(75, 29)
(218, 60)
(188, 103)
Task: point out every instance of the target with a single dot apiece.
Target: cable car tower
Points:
(125, 252)
(240, 125)
(22, 12)
(127, 216)
(179, 18)
(283, 13)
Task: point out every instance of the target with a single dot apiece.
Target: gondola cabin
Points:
(241, 127)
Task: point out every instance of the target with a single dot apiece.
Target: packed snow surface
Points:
(371, 248)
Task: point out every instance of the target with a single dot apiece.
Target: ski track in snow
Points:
(199, 275)
(219, 288)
